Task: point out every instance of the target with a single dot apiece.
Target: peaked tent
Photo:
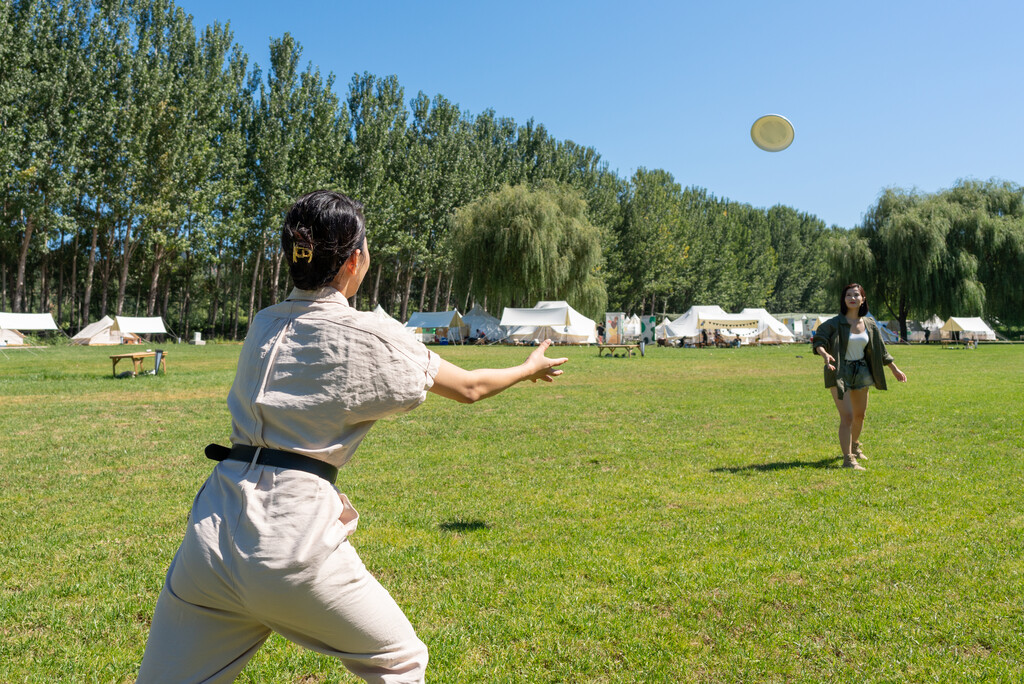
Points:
(11, 338)
(687, 327)
(971, 328)
(659, 330)
(478, 319)
(769, 330)
(102, 332)
(554, 320)
(431, 320)
(632, 327)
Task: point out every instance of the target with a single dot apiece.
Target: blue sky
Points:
(907, 94)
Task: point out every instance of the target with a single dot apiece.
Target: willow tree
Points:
(904, 256)
(521, 244)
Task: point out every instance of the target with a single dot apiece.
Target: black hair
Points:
(863, 310)
(321, 231)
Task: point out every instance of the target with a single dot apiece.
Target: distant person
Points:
(600, 334)
(855, 357)
(927, 335)
(267, 546)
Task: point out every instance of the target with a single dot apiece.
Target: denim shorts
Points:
(857, 375)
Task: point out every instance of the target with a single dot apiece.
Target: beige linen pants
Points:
(266, 550)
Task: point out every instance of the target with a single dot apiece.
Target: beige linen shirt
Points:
(315, 374)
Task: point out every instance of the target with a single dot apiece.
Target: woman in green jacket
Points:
(855, 357)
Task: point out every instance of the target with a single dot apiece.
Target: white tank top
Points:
(855, 347)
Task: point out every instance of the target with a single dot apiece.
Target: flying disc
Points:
(772, 133)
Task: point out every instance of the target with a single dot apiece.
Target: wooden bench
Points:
(610, 348)
(137, 359)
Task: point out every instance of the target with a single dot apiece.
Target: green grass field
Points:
(675, 518)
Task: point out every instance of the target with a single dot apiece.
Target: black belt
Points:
(273, 458)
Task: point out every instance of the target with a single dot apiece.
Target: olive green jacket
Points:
(834, 334)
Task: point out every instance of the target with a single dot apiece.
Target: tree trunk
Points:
(396, 290)
(72, 286)
(44, 284)
(423, 290)
(154, 277)
(255, 279)
(108, 266)
(448, 294)
(19, 284)
(437, 291)
(406, 291)
(469, 288)
(376, 287)
(215, 295)
(238, 299)
(89, 269)
(126, 255)
(276, 280)
(60, 286)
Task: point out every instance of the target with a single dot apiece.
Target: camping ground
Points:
(674, 518)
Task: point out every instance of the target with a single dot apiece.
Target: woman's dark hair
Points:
(321, 231)
(863, 310)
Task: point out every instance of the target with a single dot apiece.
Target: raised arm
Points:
(467, 386)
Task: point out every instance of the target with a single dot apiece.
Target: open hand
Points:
(830, 361)
(541, 367)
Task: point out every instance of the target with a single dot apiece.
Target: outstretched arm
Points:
(467, 386)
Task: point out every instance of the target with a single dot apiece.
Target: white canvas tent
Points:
(11, 338)
(149, 325)
(969, 328)
(769, 330)
(102, 332)
(422, 321)
(916, 329)
(688, 326)
(554, 320)
(11, 325)
(659, 330)
(632, 327)
(479, 320)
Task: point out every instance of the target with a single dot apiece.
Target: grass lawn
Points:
(675, 518)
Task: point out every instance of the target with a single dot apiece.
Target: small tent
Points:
(102, 332)
(450, 321)
(688, 326)
(480, 322)
(554, 320)
(11, 338)
(769, 330)
(969, 328)
(11, 325)
(632, 327)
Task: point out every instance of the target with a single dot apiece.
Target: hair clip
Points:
(302, 253)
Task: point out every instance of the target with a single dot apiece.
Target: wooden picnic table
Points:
(137, 359)
(601, 348)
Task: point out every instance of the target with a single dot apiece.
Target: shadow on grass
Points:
(769, 467)
(463, 526)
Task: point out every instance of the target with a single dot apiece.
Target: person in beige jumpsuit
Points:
(267, 544)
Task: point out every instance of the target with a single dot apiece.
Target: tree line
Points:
(147, 164)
